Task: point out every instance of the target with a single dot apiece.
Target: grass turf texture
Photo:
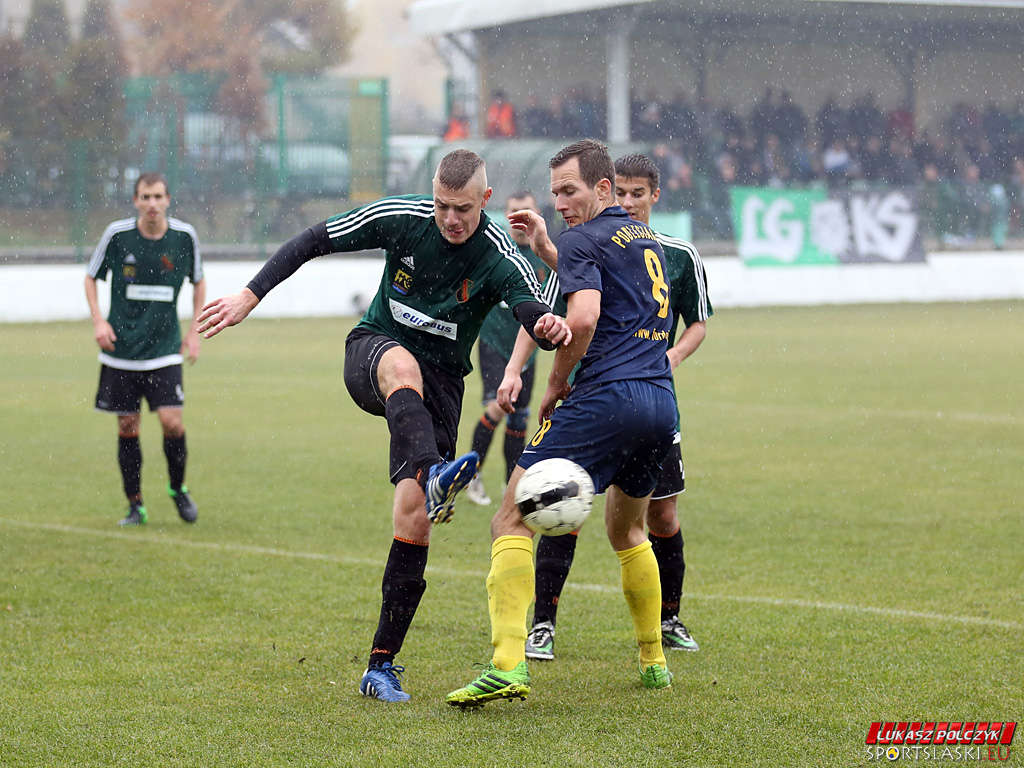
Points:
(853, 535)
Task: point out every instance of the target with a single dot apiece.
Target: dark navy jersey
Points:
(621, 258)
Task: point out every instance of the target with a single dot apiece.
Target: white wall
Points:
(338, 287)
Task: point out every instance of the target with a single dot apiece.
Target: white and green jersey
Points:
(146, 277)
(433, 295)
(688, 283)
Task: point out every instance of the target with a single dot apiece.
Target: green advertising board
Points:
(776, 227)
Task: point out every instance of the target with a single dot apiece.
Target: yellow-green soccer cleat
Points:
(493, 684)
(656, 677)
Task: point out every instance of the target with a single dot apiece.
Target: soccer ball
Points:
(554, 496)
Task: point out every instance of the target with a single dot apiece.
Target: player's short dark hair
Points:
(149, 178)
(637, 166)
(593, 157)
(522, 194)
(457, 168)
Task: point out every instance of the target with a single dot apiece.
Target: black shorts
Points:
(442, 393)
(121, 391)
(492, 371)
(673, 477)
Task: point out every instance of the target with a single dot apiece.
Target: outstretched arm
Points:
(233, 309)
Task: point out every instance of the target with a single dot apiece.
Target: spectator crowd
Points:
(968, 173)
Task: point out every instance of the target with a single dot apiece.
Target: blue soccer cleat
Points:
(444, 482)
(381, 682)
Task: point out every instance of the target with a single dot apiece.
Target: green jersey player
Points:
(141, 348)
(446, 265)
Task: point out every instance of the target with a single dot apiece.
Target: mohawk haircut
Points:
(637, 166)
(457, 168)
(594, 159)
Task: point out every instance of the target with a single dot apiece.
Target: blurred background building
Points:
(329, 103)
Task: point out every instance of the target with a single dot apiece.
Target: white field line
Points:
(248, 549)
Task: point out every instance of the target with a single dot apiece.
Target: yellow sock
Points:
(641, 586)
(510, 586)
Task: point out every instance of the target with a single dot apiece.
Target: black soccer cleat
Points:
(136, 515)
(187, 509)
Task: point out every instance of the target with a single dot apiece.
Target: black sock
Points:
(671, 569)
(482, 436)
(129, 457)
(177, 454)
(401, 589)
(514, 444)
(554, 559)
(412, 430)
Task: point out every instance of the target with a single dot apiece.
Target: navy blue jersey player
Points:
(617, 421)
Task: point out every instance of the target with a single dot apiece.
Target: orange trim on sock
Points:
(404, 386)
(414, 543)
(515, 432)
(659, 536)
(491, 425)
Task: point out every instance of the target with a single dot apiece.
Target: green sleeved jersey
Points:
(688, 285)
(434, 296)
(146, 278)
(501, 328)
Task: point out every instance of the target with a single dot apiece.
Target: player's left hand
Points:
(553, 328)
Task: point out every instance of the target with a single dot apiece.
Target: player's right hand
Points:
(226, 311)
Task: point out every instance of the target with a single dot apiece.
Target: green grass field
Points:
(853, 523)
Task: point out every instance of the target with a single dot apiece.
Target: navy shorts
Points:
(121, 391)
(620, 432)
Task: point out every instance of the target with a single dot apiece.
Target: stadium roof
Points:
(442, 17)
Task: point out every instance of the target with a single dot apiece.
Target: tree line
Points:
(60, 90)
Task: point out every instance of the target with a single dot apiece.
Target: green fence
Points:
(321, 146)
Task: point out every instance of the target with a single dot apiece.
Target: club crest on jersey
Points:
(402, 282)
(462, 295)
(129, 273)
(167, 263)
